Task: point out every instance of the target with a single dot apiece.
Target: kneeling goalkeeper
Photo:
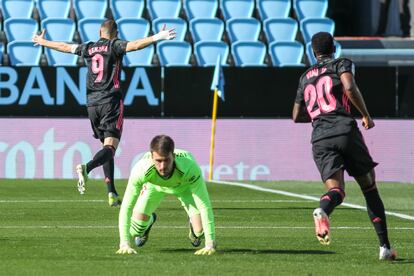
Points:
(165, 170)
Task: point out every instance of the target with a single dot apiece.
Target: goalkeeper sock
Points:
(100, 158)
(108, 169)
(376, 213)
(199, 234)
(331, 199)
(138, 226)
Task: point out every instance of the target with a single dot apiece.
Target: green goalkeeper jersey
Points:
(186, 175)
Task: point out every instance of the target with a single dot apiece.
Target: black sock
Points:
(376, 214)
(108, 169)
(100, 158)
(331, 199)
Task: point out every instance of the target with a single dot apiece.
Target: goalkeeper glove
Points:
(205, 251)
(164, 34)
(124, 248)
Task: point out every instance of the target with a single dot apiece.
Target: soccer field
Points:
(47, 228)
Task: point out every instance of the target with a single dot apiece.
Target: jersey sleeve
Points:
(119, 47)
(345, 65)
(299, 94)
(80, 49)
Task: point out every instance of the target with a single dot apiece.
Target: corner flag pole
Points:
(213, 132)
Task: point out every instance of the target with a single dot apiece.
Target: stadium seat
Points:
(200, 8)
(286, 53)
(90, 8)
(311, 26)
(56, 58)
(53, 8)
(89, 29)
(179, 24)
(311, 57)
(206, 52)
(243, 29)
(23, 53)
(248, 53)
(21, 29)
(141, 57)
(280, 29)
(237, 8)
(133, 28)
(310, 8)
(210, 29)
(164, 8)
(127, 8)
(273, 8)
(17, 8)
(1, 52)
(174, 53)
(59, 29)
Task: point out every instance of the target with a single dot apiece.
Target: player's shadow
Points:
(403, 261)
(258, 251)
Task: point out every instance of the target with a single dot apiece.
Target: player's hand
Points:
(39, 38)
(165, 34)
(205, 251)
(367, 122)
(125, 249)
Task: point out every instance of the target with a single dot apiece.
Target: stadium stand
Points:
(1, 53)
(53, 8)
(310, 8)
(174, 53)
(89, 29)
(21, 29)
(55, 58)
(179, 24)
(200, 8)
(142, 57)
(23, 53)
(210, 29)
(206, 52)
(122, 9)
(243, 29)
(17, 8)
(163, 8)
(90, 8)
(286, 53)
(310, 26)
(59, 29)
(248, 53)
(280, 29)
(237, 8)
(133, 28)
(273, 8)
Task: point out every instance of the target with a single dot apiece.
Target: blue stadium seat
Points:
(53, 8)
(127, 8)
(23, 53)
(89, 29)
(1, 52)
(141, 57)
(56, 58)
(273, 8)
(164, 8)
(179, 24)
(210, 29)
(243, 29)
(174, 53)
(286, 53)
(21, 29)
(310, 8)
(133, 28)
(59, 29)
(237, 8)
(200, 8)
(280, 29)
(206, 52)
(17, 8)
(248, 53)
(311, 26)
(90, 8)
(311, 56)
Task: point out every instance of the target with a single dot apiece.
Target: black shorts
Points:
(346, 151)
(107, 119)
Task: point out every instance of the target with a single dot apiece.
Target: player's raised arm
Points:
(39, 39)
(138, 44)
(354, 95)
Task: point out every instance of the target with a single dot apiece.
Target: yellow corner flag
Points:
(218, 87)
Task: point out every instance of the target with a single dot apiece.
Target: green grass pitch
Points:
(47, 228)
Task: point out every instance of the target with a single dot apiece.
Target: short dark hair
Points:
(111, 28)
(323, 43)
(162, 144)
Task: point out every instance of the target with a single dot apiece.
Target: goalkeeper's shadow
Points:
(257, 251)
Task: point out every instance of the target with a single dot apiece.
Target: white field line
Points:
(101, 200)
(313, 198)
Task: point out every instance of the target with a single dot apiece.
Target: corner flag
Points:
(218, 86)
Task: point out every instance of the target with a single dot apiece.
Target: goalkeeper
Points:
(162, 171)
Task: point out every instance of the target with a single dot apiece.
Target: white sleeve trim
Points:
(73, 48)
